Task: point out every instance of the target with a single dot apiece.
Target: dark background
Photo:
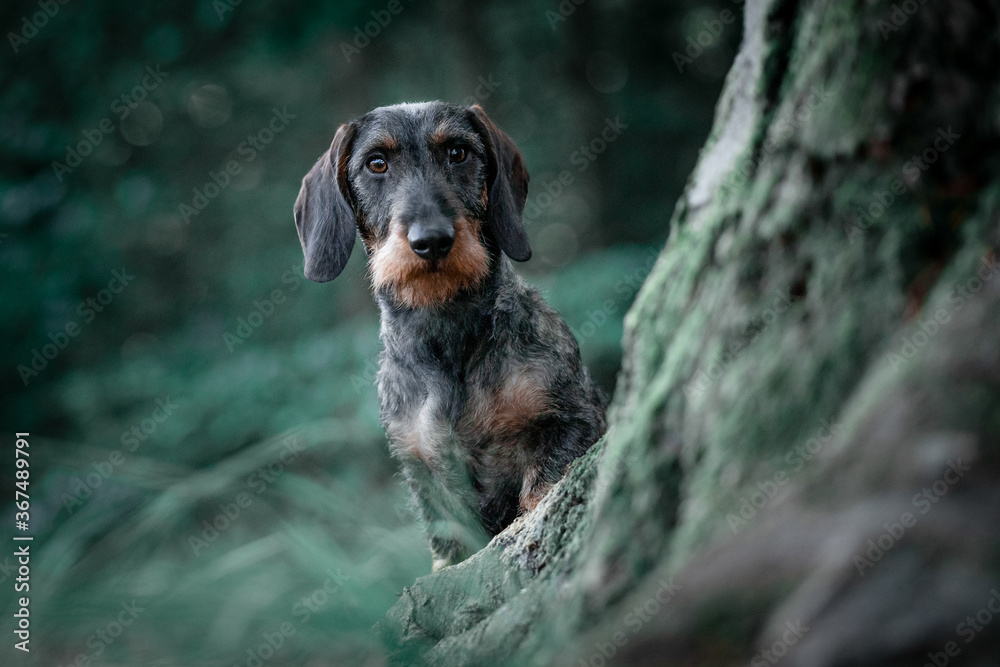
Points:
(121, 490)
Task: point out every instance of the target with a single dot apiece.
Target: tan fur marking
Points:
(441, 136)
(407, 440)
(505, 411)
(417, 283)
(532, 491)
(386, 141)
(520, 400)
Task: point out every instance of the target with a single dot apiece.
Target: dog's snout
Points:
(431, 242)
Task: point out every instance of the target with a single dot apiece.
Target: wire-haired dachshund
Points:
(483, 394)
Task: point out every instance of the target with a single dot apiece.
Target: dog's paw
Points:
(440, 563)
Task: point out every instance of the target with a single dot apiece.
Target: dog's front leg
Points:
(447, 503)
(436, 468)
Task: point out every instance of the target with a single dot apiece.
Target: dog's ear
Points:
(323, 217)
(507, 187)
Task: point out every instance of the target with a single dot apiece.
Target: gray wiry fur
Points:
(482, 393)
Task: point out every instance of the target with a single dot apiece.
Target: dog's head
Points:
(436, 191)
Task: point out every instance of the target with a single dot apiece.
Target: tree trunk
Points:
(803, 454)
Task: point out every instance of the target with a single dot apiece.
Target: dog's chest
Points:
(482, 416)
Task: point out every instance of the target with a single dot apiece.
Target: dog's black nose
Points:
(431, 243)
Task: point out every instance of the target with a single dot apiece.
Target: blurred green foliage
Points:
(211, 315)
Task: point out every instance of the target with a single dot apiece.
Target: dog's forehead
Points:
(413, 121)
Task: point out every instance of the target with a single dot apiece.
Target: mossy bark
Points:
(803, 450)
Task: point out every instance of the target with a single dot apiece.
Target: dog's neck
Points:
(445, 332)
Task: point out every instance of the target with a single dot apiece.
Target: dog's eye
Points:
(457, 154)
(377, 165)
